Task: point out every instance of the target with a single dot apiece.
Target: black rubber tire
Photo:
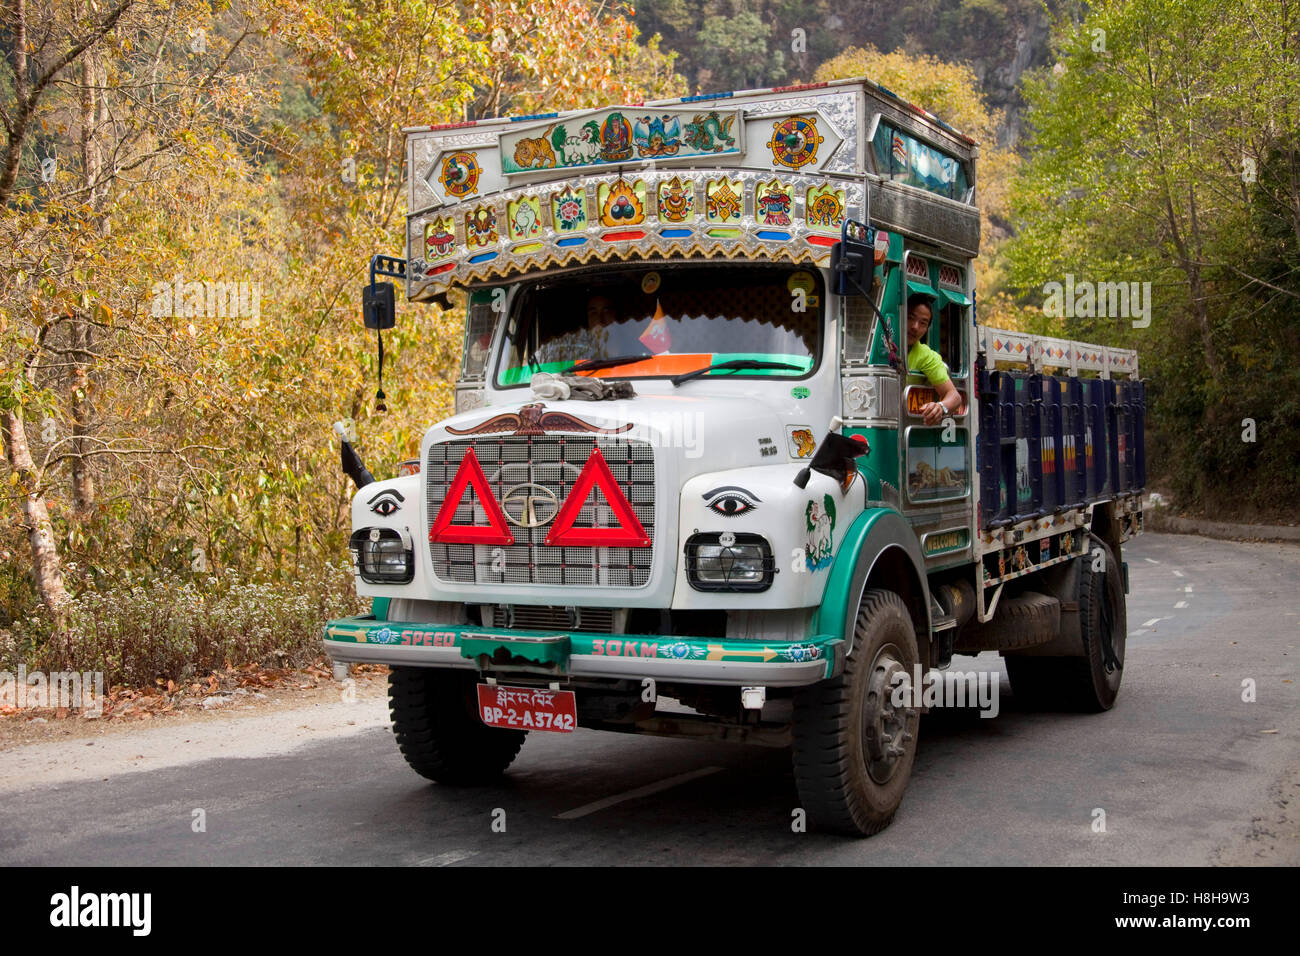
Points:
(1021, 621)
(438, 730)
(836, 788)
(1080, 683)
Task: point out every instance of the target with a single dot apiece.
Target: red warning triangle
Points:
(496, 531)
(629, 534)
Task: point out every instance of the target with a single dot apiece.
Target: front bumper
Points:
(689, 660)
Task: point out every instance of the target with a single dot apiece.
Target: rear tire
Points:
(435, 719)
(1089, 682)
(853, 748)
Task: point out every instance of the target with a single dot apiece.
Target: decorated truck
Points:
(691, 487)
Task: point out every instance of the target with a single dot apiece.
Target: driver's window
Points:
(479, 322)
(948, 327)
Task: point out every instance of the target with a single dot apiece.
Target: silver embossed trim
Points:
(550, 253)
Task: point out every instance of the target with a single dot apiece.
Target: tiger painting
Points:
(536, 153)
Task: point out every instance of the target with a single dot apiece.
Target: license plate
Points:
(528, 708)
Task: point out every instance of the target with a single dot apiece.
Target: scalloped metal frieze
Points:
(740, 214)
(651, 251)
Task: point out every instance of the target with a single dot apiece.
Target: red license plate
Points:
(528, 708)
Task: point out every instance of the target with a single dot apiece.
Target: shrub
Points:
(175, 627)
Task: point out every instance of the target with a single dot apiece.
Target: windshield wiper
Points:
(587, 365)
(738, 364)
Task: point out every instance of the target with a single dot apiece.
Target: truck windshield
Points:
(662, 321)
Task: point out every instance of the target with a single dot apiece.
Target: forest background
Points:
(170, 486)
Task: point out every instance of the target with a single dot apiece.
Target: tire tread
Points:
(436, 734)
(822, 767)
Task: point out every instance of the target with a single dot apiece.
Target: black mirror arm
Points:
(894, 358)
(382, 265)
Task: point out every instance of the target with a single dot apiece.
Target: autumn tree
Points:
(568, 54)
(99, 106)
(1164, 152)
(160, 156)
(374, 70)
(951, 92)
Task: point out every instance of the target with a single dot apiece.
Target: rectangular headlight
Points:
(744, 564)
(739, 564)
(382, 556)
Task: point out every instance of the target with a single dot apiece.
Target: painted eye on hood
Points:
(731, 501)
(386, 502)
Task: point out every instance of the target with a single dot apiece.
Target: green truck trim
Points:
(871, 534)
(831, 616)
(522, 375)
(550, 650)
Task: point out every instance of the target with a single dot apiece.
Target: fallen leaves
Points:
(165, 697)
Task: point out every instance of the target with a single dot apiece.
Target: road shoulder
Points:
(80, 749)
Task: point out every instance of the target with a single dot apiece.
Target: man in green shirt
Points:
(925, 360)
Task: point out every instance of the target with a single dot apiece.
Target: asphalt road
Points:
(1185, 771)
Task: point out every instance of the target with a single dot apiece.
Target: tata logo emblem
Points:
(536, 505)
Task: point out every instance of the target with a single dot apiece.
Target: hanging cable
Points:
(379, 395)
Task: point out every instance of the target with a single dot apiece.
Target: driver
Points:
(601, 336)
(600, 312)
(921, 358)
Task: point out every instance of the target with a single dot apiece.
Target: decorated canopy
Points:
(761, 175)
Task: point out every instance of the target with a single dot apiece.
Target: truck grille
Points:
(541, 618)
(553, 463)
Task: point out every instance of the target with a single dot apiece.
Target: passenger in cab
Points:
(926, 361)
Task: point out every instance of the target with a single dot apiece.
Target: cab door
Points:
(937, 459)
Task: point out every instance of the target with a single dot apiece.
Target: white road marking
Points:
(1178, 574)
(1152, 561)
(1188, 589)
(448, 858)
(634, 794)
(1180, 604)
(1154, 620)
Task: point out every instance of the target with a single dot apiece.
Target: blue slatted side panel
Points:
(1050, 442)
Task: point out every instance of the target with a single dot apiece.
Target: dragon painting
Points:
(708, 133)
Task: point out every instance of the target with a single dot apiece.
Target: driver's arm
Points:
(949, 403)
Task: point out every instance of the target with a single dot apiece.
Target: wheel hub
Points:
(889, 715)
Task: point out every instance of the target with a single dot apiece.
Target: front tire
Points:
(853, 746)
(435, 719)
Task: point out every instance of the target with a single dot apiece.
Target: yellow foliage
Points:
(951, 92)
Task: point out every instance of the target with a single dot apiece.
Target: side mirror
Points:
(853, 259)
(378, 306)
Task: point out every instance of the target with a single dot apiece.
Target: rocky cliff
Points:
(732, 44)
